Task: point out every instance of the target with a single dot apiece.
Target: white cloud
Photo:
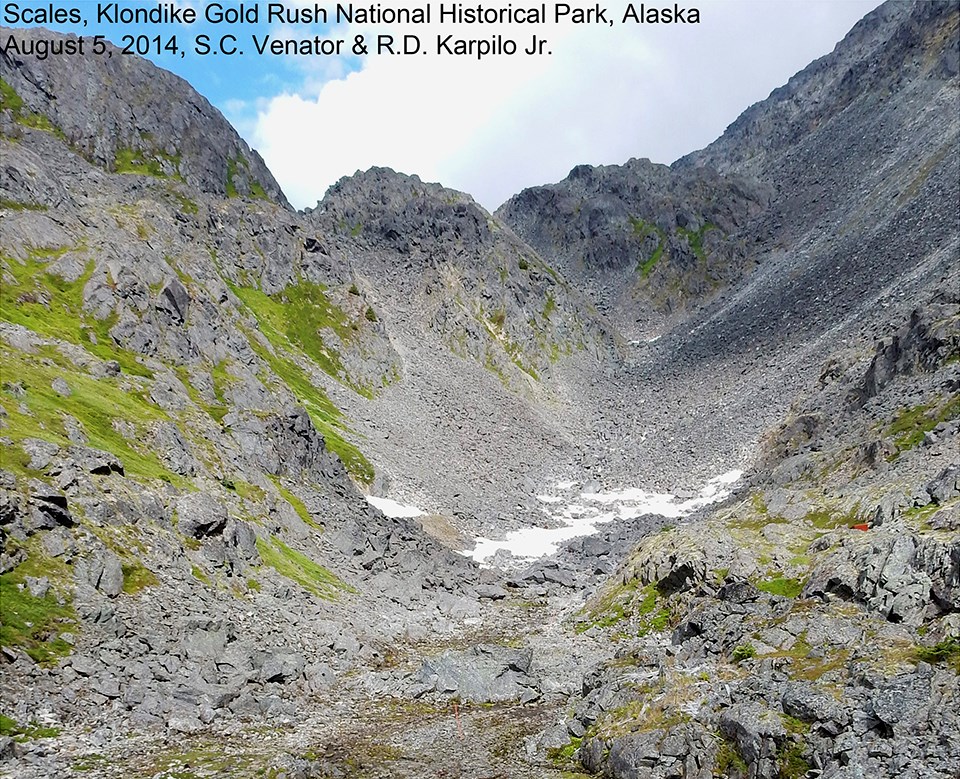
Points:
(495, 126)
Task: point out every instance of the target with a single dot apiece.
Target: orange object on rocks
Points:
(861, 526)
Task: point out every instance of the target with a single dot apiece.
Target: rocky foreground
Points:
(200, 387)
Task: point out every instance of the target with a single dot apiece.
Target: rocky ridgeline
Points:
(646, 242)
(446, 265)
(123, 130)
(897, 46)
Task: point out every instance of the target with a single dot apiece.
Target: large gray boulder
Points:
(486, 673)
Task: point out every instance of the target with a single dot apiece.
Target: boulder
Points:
(486, 673)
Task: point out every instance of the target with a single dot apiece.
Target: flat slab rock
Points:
(485, 673)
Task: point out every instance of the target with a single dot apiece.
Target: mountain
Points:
(202, 387)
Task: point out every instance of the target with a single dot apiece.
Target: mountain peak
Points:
(126, 115)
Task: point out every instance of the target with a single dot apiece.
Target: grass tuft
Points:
(299, 568)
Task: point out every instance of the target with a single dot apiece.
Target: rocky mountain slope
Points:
(199, 385)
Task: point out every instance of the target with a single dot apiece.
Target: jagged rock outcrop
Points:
(646, 241)
(162, 127)
(460, 273)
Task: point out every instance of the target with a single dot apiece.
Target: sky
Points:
(492, 126)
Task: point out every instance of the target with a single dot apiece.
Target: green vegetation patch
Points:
(137, 577)
(296, 503)
(295, 318)
(783, 586)
(946, 651)
(757, 517)
(249, 491)
(291, 321)
(563, 756)
(16, 205)
(642, 230)
(234, 166)
(325, 416)
(9, 99)
(12, 102)
(729, 760)
(299, 568)
(830, 519)
(154, 163)
(52, 306)
(910, 425)
(95, 403)
(9, 727)
(744, 652)
(36, 624)
(626, 601)
(792, 761)
(694, 239)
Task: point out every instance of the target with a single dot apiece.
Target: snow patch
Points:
(394, 509)
(593, 509)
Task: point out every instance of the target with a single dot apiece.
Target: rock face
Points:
(486, 294)
(644, 240)
(117, 129)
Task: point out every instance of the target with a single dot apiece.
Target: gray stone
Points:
(200, 515)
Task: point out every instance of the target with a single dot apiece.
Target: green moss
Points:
(827, 518)
(186, 204)
(234, 164)
(549, 306)
(694, 239)
(12, 102)
(257, 192)
(296, 317)
(642, 230)
(9, 99)
(221, 381)
(146, 163)
(292, 328)
(136, 577)
(791, 760)
(9, 727)
(627, 601)
(248, 491)
(299, 568)
(16, 205)
(780, 585)
(564, 755)
(946, 651)
(728, 760)
(94, 762)
(198, 574)
(325, 416)
(910, 425)
(744, 652)
(646, 267)
(232, 171)
(757, 517)
(296, 503)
